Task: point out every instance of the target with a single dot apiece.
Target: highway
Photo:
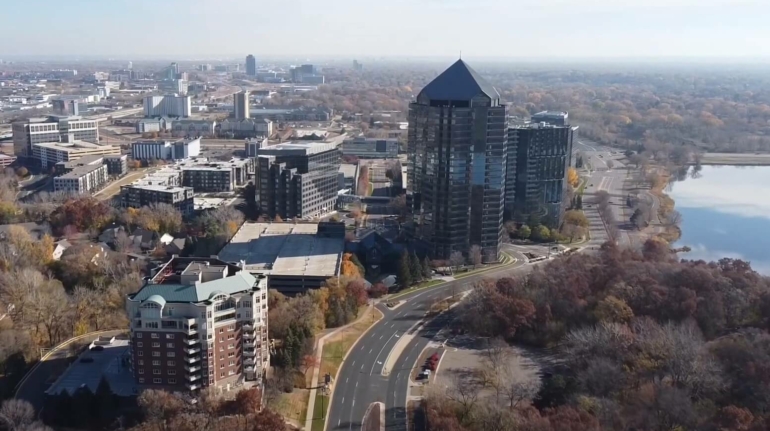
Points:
(360, 381)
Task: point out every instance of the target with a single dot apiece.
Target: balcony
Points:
(251, 352)
(191, 330)
(248, 327)
(249, 344)
(248, 361)
(248, 335)
(192, 359)
(192, 350)
(193, 386)
(192, 368)
(193, 377)
(192, 341)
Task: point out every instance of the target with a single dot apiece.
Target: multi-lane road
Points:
(361, 380)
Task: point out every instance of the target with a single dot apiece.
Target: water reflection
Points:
(726, 213)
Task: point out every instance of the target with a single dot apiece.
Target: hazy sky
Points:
(387, 28)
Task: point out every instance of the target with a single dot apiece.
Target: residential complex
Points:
(538, 157)
(205, 175)
(83, 178)
(199, 323)
(190, 128)
(241, 105)
(295, 257)
(298, 179)
(170, 105)
(142, 194)
(116, 165)
(370, 148)
(51, 129)
(457, 158)
(166, 150)
(249, 128)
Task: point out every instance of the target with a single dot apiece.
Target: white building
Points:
(166, 150)
(52, 153)
(51, 129)
(87, 178)
(170, 105)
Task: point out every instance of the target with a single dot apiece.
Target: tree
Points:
(573, 179)
(610, 164)
(22, 172)
(639, 219)
(348, 268)
(541, 233)
(248, 401)
(378, 290)
(415, 267)
(404, 274)
(612, 309)
(456, 259)
(576, 218)
(524, 232)
(474, 255)
(17, 414)
(427, 272)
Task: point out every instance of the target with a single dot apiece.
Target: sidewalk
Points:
(319, 358)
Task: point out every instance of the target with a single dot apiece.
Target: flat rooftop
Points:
(348, 169)
(76, 146)
(112, 363)
(297, 148)
(156, 188)
(284, 249)
(79, 171)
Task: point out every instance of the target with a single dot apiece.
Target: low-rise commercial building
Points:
(52, 153)
(294, 256)
(199, 323)
(166, 150)
(370, 148)
(170, 105)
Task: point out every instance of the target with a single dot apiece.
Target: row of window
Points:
(155, 344)
(158, 381)
(157, 363)
(158, 372)
(156, 354)
(155, 335)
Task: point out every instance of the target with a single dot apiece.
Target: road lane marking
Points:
(370, 350)
(380, 352)
(346, 380)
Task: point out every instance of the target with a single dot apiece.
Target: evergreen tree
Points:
(427, 273)
(105, 406)
(415, 268)
(404, 274)
(579, 202)
(356, 262)
(289, 345)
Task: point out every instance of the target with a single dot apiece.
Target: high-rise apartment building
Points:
(51, 129)
(199, 323)
(298, 179)
(538, 157)
(170, 105)
(251, 65)
(241, 105)
(457, 155)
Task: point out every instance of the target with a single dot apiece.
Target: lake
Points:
(726, 213)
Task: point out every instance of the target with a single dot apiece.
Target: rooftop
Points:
(284, 249)
(79, 171)
(75, 146)
(348, 169)
(297, 148)
(156, 188)
(112, 363)
(458, 82)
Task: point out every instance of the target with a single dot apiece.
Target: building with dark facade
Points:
(251, 65)
(139, 195)
(557, 118)
(298, 179)
(456, 171)
(198, 323)
(116, 165)
(538, 157)
(241, 105)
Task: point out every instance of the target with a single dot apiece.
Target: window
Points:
(222, 374)
(141, 379)
(141, 362)
(156, 363)
(231, 346)
(221, 330)
(140, 353)
(231, 372)
(155, 344)
(169, 336)
(155, 354)
(171, 354)
(157, 381)
(141, 370)
(170, 345)
(232, 362)
(138, 335)
(153, 335)
(221, 339)
(231, 354)
(140, 344)
(230, 337)
(171, 363)
(172, 372)
(156, 372)
(222, 365)
(171, 381)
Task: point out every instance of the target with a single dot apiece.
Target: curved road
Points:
(360, 381)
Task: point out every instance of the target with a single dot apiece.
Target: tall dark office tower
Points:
(538, 157)
(251, 65)
(457, 157)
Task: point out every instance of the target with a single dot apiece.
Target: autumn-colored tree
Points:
(612, 309)
(378, 290)
(576, 218)
(82, 213)
(573, 178)
(348, 268)
(248, 402)
(22, 172)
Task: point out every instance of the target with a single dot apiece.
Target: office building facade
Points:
(251, 65)
(117, 166)
(199, 323)
(241, 105)
(298, 179)
(166, 150)
(170, 105)
(538, 157)
(51, 129)
(457, 160)
(556, 118)
(370, 148)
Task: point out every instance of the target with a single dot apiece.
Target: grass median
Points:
(333, 352)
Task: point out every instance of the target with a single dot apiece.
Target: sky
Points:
(489, 29)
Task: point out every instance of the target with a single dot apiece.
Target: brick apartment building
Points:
(197, 323)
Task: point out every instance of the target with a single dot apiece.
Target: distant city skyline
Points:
(537, 29)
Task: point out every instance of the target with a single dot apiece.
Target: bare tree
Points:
(610, 164)
(456, 259)
(17, 414)
(464, 389)
(674, 218)
(474, 255)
